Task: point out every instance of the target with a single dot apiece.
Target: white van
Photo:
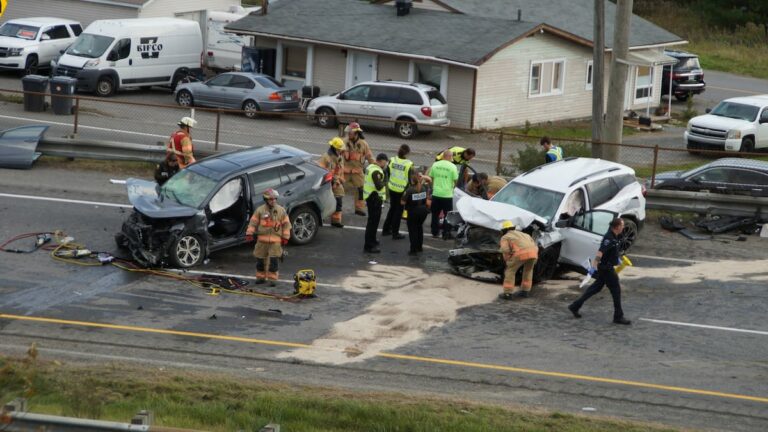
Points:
(112, 54)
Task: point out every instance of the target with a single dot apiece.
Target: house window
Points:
(590, 74)
(547, 78)
(427, 73)
(295, 62)
(643, 83)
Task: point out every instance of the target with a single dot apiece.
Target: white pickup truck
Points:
(736, 124)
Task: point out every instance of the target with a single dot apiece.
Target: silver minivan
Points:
(409, 106)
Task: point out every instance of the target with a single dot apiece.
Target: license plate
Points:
(287, 97)
(441, 114)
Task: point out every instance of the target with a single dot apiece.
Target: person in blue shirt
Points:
(553, 152)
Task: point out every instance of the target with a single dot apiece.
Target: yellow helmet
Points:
(336, 143)
(507, 225)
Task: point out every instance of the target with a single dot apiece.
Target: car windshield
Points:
(188, 188)
(541, 202)
(268, 82)
(436, 98)
(688, 63)
(736, 111)
(19, 31)
(90, 45)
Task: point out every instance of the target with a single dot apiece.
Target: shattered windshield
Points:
(90, 45)
(541, 202)
(188, 188)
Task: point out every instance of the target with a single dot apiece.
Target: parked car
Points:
(727, 176)
(250, 92)
(736, 124)
(29, 44)
(686, 76)
(206, 206)
(566, 206)
(409, 106)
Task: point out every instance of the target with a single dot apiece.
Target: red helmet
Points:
(355, 127)
(271, 193)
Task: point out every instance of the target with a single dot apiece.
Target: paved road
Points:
(531, 353)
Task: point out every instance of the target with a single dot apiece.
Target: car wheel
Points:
(121, 241)
(547, 264)
(747, 145)
(682, 97)
(250, 109)
(405, 129)
(629, 233)
(185, 99)
(31, 66)
(105, 87)
(304, 225)
(326, 118)
(187, 251)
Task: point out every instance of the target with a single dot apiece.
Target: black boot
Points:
(622, 321)
(574, 310)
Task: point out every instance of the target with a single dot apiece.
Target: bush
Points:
(533, 155)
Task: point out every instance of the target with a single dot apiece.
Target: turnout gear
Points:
(356, 153)
(518, 250)
(180, 147)
(333, 161)
(272, 228)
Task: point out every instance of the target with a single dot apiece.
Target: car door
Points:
(119, 58)
(762, 130)
(748, 182)
(236, 91)
(582, 235)
(712, 180)
(52, 40)
(293, 186)
(212, 91)
(262, 179)
(228, 212)
(354, 102)
(383, 101)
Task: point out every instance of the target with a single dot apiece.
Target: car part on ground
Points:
(18, 146)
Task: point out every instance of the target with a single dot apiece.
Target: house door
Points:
(363, 67)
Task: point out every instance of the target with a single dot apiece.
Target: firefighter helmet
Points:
(188, 122)
(271, 193)
(336, 143)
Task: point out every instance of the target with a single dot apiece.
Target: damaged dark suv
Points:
(207, 206)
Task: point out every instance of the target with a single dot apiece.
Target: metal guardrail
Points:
(707, 202)
(104, 150)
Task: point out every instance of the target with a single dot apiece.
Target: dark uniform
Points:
(611, 247)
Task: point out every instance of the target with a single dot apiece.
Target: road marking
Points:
(81, 126)
(660, 258)
(738, 330)
(734, 90)
(65, 200)
(419, 359)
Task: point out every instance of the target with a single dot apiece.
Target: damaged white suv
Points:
(565, 206)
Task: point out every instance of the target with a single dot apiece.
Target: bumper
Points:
(288, 106)
(436, 123)
(698, 142)
(696, 88)
(4, 64)
(327, 202)
(86, 78)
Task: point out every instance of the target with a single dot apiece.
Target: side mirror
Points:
(112, 56)
(763, 119)
(45, 37)
(340, 96)
(708, 110)
(62, 51)
(563, 223)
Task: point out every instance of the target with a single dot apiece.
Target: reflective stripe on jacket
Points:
(458, 155)
(556, 152)
(370, 187)
(518, 245)
(180, 144)
(269, 225)
(398, 174)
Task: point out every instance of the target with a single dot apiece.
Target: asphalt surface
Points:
(530, 353)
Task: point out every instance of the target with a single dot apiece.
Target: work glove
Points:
(249, 238)
(284, 241)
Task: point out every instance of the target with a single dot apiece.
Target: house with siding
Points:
(87, 11)
(498, 62)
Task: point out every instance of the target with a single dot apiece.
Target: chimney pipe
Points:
(264, 7)
(519, 14)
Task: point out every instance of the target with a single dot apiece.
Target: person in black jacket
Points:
(608, 257)
(166, 169)
(414, 201)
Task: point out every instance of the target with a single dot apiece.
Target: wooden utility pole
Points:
(614, 119)
(598, 79)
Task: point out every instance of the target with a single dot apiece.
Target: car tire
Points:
(406, 129)
(747, 145)
(32, 65)
(185, 99)
(105, 86)
(682, 97)
(187, 251)
(121, 241)
(546, 266)
(305, 223)
(326, 118)
(177, 77)
(251, 109)
(629, 233)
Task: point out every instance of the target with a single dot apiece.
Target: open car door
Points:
(582, 235)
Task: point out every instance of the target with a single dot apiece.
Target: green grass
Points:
(223, 403)
(11, 98)
(574, 130)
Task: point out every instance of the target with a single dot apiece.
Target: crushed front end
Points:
(149, 240)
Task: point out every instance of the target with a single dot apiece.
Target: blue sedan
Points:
(246, 91)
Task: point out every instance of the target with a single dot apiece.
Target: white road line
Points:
(64, 200)
(763, 333)
(660, 258)
(80, 126)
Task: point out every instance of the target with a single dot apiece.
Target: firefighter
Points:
(553, 152)
(399, 171)
(518, 250)
(460, 155)
(356, 153)
(272, 228)
(180, 143)
(333, 161)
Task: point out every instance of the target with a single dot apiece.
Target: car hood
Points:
(668, 175)
(13, 42)
(73, 60)
(325, 99)
(18, 146)
(191, 86)
(490, 214)
(710, 121)
(143, 196)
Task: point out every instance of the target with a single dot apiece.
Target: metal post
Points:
(655, 160)
(77, 114)
(498, 159)
(218, 125)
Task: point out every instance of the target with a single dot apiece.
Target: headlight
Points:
(91, 63)
(734, 134)
(690, 126)
(13, 52)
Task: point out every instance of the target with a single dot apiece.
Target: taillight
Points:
(210, 53)
(327, 177)
(427, 111)
(274, 96)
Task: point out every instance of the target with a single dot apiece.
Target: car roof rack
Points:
(604, 170)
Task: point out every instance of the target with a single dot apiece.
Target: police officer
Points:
(553, 152)
(166, 169)
(608, 256)
(374, 194)
(399, 171)
(272, 227)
